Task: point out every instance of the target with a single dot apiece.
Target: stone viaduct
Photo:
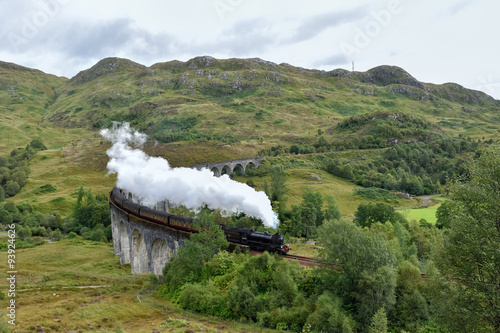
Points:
(148, 246)
(229, 166)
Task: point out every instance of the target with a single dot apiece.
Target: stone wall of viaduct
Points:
(146, 246)
(230, 166)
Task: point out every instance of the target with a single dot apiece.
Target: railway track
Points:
(306, 261)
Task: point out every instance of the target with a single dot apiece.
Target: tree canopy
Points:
(469, 258)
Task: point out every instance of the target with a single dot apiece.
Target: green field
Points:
(428, 213)
(76, 285)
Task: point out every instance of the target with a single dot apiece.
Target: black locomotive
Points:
(255, 240)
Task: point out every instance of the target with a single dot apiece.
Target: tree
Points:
(56, 235)
(11, 188)
(291, 222)
(5, 217)
(313, 200)
(469, 258)
(347, 171)
(278, 187)
(368, 213)
(364, 274)
(411, 310)
(37, 144)
(187, 266)
(332, 211)
(379, 322)
(311, 212)
(24, 233)
(91, 210)
(443, 215)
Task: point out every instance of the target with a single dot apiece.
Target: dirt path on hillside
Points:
(427, 199)
(73, 287)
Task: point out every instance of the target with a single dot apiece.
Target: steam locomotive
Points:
(255, 240)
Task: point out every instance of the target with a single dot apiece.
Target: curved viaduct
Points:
(229, 166)
(148, 246)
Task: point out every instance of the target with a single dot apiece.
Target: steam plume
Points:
(153, 180)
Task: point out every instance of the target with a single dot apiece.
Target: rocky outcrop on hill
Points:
(387, 75)
(105, 66)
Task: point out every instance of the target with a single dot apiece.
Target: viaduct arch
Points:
(230, 166)
(146, 246)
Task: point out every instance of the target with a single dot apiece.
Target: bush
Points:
(374, 193)
(367, 214)
(328, 316)
(24, 233)
(47, 188)
(205, 299)
(56, 235)
(12, 187)
(39, 231)
(72, 235)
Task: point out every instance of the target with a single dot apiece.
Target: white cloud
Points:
(435, 41)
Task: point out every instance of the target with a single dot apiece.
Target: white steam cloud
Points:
(153, 180)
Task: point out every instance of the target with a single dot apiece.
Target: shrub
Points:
(47, 188)
(204, 298)
(56, 235)
(374, 193)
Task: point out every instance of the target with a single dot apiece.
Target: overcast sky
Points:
(435, 41)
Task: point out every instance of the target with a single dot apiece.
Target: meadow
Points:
(427, 212)
(76, 285)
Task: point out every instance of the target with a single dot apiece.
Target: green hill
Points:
(332, 137)
(209, 109)
(257, 100)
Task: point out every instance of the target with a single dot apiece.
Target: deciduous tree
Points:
(364, 273)
(470, 258)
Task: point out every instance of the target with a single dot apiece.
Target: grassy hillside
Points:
(333, 132)
(55, 167)
(25, 95)
(75, 285)
(251, 100)
(207, 110)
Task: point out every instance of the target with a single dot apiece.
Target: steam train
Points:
(255, 240)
